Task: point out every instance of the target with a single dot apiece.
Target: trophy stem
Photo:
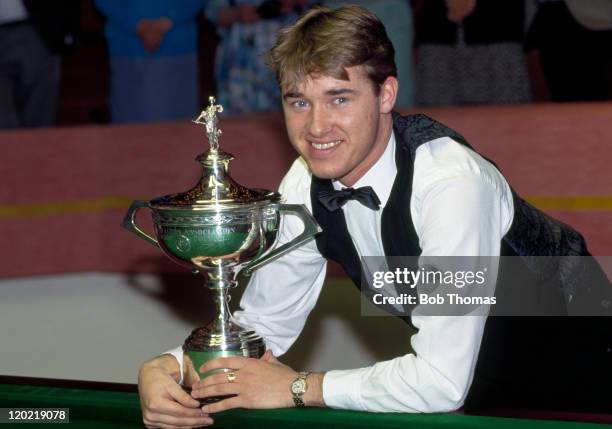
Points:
(222, 299)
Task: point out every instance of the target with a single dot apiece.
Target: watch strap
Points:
(297, 397)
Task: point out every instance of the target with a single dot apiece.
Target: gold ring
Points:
(231, 376)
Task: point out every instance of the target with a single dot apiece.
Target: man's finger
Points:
(177, 410)
(218, 378)
(217, 390)
(226, 404)
(177, 393)
(233, 362)
(267, 356)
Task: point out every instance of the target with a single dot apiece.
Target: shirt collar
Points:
(381, 176)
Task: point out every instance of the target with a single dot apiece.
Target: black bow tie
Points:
(333, 200)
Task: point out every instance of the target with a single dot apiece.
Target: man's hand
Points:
(259, 383)
(458, 10)
(153, 31)
(163, 402)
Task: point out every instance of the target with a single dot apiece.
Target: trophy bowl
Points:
(227, 238)
(220, 229)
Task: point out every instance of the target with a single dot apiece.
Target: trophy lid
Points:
(216, 187)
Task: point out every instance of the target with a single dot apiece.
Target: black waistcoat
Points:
(515, 351)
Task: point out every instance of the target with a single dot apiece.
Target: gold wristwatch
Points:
(298, 388)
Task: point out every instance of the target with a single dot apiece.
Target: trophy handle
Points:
(129, 222)
(311, 228)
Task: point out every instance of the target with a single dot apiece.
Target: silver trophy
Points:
(219, 229)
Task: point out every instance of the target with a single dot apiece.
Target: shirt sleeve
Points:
(452, 187)
(177, 352)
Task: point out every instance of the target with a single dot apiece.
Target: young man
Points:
(434, 196)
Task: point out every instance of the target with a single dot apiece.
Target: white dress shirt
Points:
(461, 206)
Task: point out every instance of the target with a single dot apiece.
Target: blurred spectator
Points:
(471, 52)
(247, 30)
(574, 40)
(153, 58)
(32, 36)
(396, 15)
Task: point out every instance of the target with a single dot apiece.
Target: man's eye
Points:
(341, 100)
(299, 104)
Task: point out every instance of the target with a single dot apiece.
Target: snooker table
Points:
(112, 405)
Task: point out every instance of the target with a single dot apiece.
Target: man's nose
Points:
(320, 121)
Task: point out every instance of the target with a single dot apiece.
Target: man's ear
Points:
(388, 94)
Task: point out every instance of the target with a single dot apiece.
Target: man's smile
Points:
(325, 145)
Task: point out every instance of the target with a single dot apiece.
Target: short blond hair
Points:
(326, 41)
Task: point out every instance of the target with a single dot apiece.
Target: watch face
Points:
(297, 386)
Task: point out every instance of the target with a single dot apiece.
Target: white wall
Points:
(99, 326)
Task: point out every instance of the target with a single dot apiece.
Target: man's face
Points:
(339, 127)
